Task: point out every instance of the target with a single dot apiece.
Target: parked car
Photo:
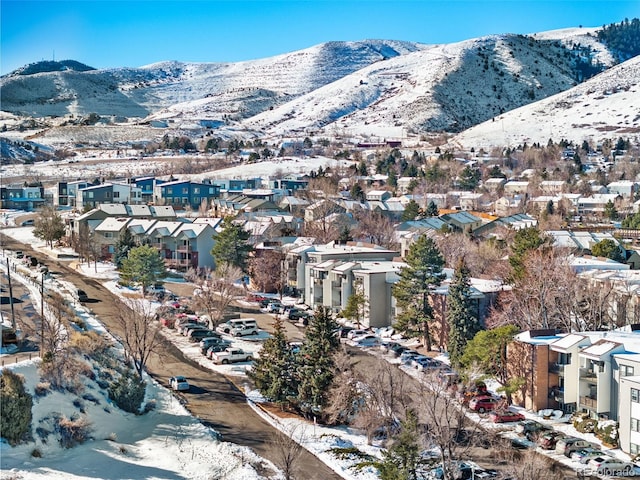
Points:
(612, 466)
(532, 430)
(407, 356)
(483, 404)
(188, 331)
(548, 440)
(297, 314)
(205, 343)
(351, 334)
(568, 445)
(179, 383)
(230, 355)
(585, 454)
(505, 416)
(254, 297)
(344, 331)
(274, 307)
(238, 324)
(183, 328)
(423, 362)
(197, 335)
(215, 348)
(365, 341)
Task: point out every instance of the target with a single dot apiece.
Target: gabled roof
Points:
(568, 341)
(600, 349)
(113, 224)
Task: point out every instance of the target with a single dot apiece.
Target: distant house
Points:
(184, 193)
(624, 188)
(462, 221)
(21, 197)
(94, 195)
(378, 195)
(65, 193)
(552, 187)
(514, 188)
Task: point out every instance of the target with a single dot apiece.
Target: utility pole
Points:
(13, 313)
(42, 316)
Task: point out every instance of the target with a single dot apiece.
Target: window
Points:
(634, 448)
(196, 200)
(211, 190)
(635, 395)
(90, 195)
(626, 371)
(185, 200)
(196, 190)
(564, 359)
(107, 194)
(116, 194)
(635, 425)
(108, 234)
(185, 190)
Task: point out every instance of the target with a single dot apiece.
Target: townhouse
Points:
(22, 197)
(597, 373)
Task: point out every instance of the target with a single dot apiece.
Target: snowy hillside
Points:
(606, 106)
(136, 92)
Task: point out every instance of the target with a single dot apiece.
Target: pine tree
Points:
(317, 363)
(274, 371)
(143, 266)
(123, 246)
(462, 314)
(16, 404)
(422, 273)
(402, 459)
(411, 211)
(524, 241)
(432, 209)
(231, 247)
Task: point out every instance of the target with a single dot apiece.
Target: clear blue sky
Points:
(114, 33)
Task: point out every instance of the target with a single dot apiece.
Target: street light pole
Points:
(42, 316)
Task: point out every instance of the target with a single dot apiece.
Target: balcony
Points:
(185, 248)
(589, 402)
(588, 375)
(557, 368)
(159, 246)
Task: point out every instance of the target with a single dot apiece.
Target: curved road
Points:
(214, 399)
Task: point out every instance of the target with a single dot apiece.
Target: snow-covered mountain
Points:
(358, 88)
(137, 92)
(605, 106)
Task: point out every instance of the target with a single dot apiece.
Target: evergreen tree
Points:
(422, 273)
(495, 172)
(231, 247)
(316, 362)
(432, 209)
(402, 459)
(16, 408)
(610, 211)
(392, 178)
(124, 244)
(345, 235)
(363, 171)
(609, 249)
(469, 178)
(143, 266)
(356, 192)
(411, 211)
(356, 304)
(525, 240)
(274, 371)
(462, 314)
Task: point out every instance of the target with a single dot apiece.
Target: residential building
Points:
(183, 193)
(22, 197)
(94, 195)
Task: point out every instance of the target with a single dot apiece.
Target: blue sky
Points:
(114, 33)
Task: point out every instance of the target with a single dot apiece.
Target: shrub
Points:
(607, 431)
(35, 453)
(585, 425)
(150, 406)
(15, 414)
(42, 389)
(73, 431)
(127, 392)
(89, 343)
(63, 371)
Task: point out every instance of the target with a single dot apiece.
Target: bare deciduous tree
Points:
(446, 425)
(266, 270)
(217, 290)
(288, 445)
(140, 332)
(373, 227)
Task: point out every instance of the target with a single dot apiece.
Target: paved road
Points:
(214, 400)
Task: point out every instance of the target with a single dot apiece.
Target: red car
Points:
(504, 416)
(483, 404)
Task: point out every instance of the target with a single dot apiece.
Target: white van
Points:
(239, 327)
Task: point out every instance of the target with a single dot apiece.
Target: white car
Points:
(230, 355)
(612, 466)
(179, 383)
(365, 341)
